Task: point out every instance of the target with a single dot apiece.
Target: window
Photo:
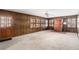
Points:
(51, 22)
(78, 25)
(5, 21)
(37, 25)
(71, 22)
(46, 24)
(37, 20)
(32, 20)
(31, 25)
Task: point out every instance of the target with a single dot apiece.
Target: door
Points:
(58, 24)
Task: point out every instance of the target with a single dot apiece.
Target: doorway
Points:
(58, 24)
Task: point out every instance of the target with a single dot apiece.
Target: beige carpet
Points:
(43, 40)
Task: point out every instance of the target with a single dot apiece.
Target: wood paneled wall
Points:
(21, 24)
(71, 23)
(51, 24)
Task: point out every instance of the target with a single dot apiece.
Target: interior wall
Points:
(51, 24)
(20, 24)
(16, 24)
(69, 23)
(78, 24)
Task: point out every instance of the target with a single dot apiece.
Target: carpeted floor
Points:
(43, 40)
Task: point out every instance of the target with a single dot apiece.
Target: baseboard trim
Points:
(5, 39)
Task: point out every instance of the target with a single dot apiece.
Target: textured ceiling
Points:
(51, 12)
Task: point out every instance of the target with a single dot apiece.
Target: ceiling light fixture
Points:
(47, 14)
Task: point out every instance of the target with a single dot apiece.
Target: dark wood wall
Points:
(24, 23)
(70, 26)
(71, 23)
(20, 24)
(51, 24)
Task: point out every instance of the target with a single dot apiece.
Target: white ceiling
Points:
(51, 12)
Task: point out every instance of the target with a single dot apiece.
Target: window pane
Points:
(5, 21)
(2, 25)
